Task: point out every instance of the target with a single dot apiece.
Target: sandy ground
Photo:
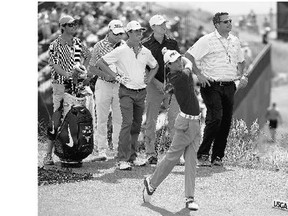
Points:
(219, 191)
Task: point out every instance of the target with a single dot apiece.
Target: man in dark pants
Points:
(218, 62)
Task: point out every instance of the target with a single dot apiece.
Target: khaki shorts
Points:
(58, 94)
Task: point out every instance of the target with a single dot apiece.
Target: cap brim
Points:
(142, 28)
(71, 21)
(159, 23)
(118, 30)
(66, 22)
(175, 57)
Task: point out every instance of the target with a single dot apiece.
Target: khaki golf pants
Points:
(186, 140)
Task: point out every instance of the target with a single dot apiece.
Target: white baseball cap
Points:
(157, 20)
(170, 55)
(134, 25)
(116, 26)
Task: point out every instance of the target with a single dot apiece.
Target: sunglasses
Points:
(70, 24)
(226, 21)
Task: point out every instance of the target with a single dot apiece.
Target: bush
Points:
(242, 144)
(241, 141)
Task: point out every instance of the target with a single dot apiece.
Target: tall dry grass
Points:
(243, 145)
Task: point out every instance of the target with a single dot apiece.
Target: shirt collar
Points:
(107, 41)
(140, 45)
(219, 36)
(153, 38)
(63, 42)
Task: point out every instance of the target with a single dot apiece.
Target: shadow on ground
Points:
(164, 212)
(205, 171)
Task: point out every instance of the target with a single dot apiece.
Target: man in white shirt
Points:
(218, 62)
(106, 90)
(130, 60)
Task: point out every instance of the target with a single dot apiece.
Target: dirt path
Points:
(219, 191)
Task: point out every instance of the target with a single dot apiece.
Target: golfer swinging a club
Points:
(187, 131)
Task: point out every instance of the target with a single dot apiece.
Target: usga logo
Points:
(280, 205)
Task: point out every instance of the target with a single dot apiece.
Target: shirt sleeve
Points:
(113, 56)
(53, 54)
(151, 61)
(95, 55)
(177, 47)
(85, 51)
(200, 48)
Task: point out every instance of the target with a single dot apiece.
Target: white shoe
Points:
(191, 204)
(102, 156)
(124, 165)
(139, 162)
(147, 191)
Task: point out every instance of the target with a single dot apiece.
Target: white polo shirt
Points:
(130, 65)
(217, 56)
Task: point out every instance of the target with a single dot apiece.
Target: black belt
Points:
(135, 90)
(222, 83)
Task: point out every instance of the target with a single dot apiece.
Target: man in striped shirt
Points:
(106, 89)
(64, 53)
(219, 63)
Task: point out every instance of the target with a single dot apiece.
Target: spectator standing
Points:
(131, 60)
(273, 117)
(106, 89)
(155, 90)
(64, 53)
(220, 62)
(187, 134)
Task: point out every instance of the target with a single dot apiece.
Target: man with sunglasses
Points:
(131, 60)
(218, 62)
(65, 52)
(106, 89)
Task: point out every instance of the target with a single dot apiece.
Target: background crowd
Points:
(93, 19)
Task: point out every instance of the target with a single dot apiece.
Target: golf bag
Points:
(73, 135)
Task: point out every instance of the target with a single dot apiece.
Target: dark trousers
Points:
(219, 100)
(132, 104)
